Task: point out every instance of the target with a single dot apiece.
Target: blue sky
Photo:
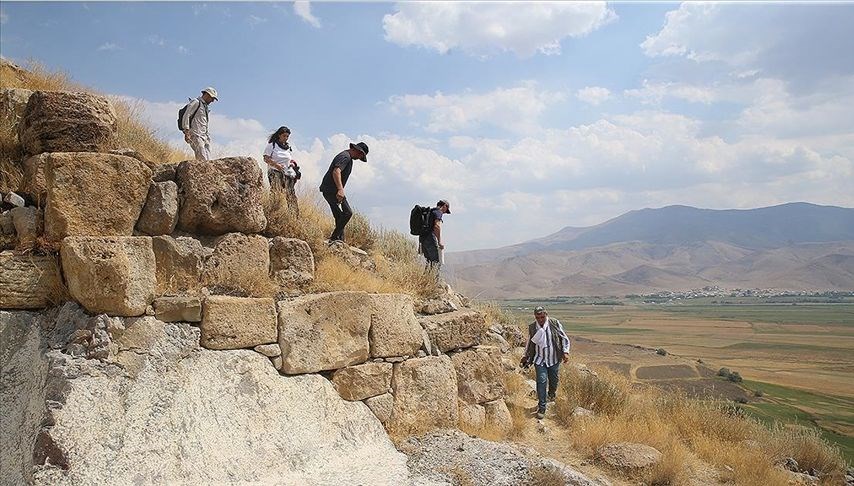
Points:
(527, 117)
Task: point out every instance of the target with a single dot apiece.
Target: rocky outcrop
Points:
(220, 196)
(29, 281)
(454, 330)
(92, 194)
(160, 212)
(291, 262)
(394, 329)
(239, 263)
(479, 374)
(363, 381)
(237, 322)
(113, 275)
(452, 457)
(180, 263)
(60, 121)
(629, 456)
(425, 395)
(160, 410)
(322, 332)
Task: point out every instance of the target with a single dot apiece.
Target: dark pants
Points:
(546, 374)
(430, 248)
(342, 214)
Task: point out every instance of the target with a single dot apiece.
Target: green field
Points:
(799, 355)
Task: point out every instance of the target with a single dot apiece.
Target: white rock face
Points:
(173, 413)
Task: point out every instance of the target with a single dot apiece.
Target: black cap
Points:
(361, 147)
(444, 202)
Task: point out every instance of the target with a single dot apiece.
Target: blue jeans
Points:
(546, 375)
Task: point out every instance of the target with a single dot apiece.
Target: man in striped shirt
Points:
(548, 346)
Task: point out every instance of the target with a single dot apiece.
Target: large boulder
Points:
(324, 331)
(28, 281)
(161, 410)
(180, 263)
(394, 327)
(59, 121)
(425, 395)
(291, 262)
(239, 263)
(160, 212)
(498, 418)
(363, 381)
(92, 194)
(455, 330)
(237, 322)
(479, 374)
(111, 275)
(220, 196)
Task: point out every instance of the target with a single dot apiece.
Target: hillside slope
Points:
(796, 246)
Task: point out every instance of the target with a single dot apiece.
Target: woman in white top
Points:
(282, 169)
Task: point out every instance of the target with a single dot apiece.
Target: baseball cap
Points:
(444, 202)
(539, 310)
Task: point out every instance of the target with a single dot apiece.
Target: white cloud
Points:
(656, 92)
(488, 28)
(182, 50)
(516, 109)
(303, 9)
(593, 95)
(109, 46)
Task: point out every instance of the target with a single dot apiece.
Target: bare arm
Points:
(336, 176)
(437, 230)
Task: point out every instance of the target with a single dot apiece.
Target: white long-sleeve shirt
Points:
(199, 125)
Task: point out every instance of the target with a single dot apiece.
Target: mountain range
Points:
(795, 246)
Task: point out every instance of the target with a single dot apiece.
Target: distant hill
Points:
(797, 246)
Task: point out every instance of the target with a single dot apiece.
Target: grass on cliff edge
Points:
(692, 435)
(132, 132)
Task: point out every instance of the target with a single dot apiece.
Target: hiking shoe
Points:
(541, 415)
(551, 399)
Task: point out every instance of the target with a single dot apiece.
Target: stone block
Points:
(381, 406)
(181, 308)
(362, 381)
(394, 328)
(291, 262)
(479, 374)
(220, 196)
(91, 194)
(425, 395)
(239, 263)
(325, 331)
(454, 330)
(160, 212)
(61, 121)
(237, 322)
(180, 263)
(29, 281)
(110, 275)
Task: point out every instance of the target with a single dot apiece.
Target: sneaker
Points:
(551, 399)
(541, 415)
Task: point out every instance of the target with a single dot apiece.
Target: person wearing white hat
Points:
(194, 123)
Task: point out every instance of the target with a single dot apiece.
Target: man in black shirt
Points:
(333, 184)
(431, 242)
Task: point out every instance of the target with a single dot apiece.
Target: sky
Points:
(528, 117)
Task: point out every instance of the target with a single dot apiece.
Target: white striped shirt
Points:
(546, 356)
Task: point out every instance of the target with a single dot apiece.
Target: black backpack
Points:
(419, 220)
(184, 110)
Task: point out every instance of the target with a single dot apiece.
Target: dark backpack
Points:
(184, 110)
(419, 220)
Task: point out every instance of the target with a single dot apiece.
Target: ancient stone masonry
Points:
(166, 364)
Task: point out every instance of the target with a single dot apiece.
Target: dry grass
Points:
(516, 391)
(238, 283)
(313, 225)
(688, 432)
(495, 314)
(131, 132)
(544, 476)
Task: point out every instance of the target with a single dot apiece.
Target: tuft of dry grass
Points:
(495, 314)
(544, 476)
(240, 283)
(313, 225)
(686, 431)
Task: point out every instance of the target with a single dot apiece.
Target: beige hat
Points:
(211, 91)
